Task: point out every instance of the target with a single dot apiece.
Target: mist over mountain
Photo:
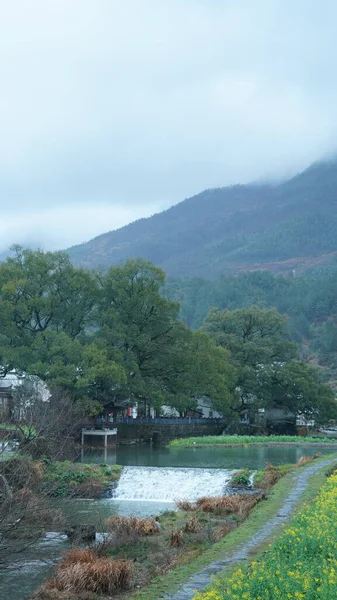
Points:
(291, 225)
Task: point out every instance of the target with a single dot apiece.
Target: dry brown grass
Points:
(192, 525)
(272, 475)
(240, 504)
(185, 505)
(176, 539)
(76, 555)
(131, 525)
(304, 460)
(222, 530)
(100, 576)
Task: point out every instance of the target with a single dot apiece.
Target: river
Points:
(153, 479)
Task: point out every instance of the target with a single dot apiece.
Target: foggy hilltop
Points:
(291, 225)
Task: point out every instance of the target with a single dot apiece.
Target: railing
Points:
(169, 420)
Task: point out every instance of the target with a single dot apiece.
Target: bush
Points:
(29, 515)
(241, 478)
(192, 525)
(22, 472)
(225, 505)
(101, 576)
(37, 448)
(222, 530)
(185, 505)
(131, 525)
(304, 460)
(176, 539)
(76, 555)
(64, 478)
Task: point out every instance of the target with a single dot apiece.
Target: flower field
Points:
(302, 564)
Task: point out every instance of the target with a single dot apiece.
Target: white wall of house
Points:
(204, 407)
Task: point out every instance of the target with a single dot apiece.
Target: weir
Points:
(168, 484)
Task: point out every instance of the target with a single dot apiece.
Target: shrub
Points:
(131, 525)
(192, 525)
(176, 539)
(225, 505)
(185, 505)
(22, 472)
(304, 460)
(76, 555)
(222, 530)
(29, 515)
(331, 471)
(100, 575)
(241, 478)
(271, 475)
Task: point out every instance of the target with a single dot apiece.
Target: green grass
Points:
(234, 440)
(68, 479)
(24, 428)
(265, 510)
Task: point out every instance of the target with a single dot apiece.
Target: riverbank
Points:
(176, 543)
(260, 517)
(58, 478)
(79, 480)
(247, 440)
(300, 564)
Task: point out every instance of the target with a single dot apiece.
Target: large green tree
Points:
(268, 370)
(47, 313)
(165, 363)
(109, 337)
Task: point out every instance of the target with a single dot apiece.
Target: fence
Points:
(170, 421)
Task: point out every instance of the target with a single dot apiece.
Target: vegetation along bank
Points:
(301, 563)
(154, 554)
(243, 440)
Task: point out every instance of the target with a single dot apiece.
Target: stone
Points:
(82, 533)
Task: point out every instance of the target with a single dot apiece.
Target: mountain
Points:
(292, 225)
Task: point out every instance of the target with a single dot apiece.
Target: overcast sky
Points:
(115, 109)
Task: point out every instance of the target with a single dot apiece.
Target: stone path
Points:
(202, 579)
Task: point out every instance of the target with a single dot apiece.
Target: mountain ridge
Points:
(224, 230)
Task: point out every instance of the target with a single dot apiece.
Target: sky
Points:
(112, 110)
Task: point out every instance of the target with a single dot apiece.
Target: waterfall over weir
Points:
(167, 484)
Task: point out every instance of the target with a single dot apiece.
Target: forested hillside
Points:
(292, 225)
(310, 303)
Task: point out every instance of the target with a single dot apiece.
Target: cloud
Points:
(110, 110)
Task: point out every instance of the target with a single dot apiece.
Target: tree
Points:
(40, 292)
(162, 359)
(298, 387)
(269, 373)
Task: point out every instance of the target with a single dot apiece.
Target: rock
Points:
(82, 533)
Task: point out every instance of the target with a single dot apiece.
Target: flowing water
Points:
(167, 484)
(152, 480)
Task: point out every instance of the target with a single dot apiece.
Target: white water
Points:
(167, 484)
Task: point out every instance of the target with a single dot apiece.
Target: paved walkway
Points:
(202, 579)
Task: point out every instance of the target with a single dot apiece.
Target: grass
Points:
(234, 440)
(120, 526)
(66, 478)
(168, 583)
(84, 571)
(301, 564)
(9, 427)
